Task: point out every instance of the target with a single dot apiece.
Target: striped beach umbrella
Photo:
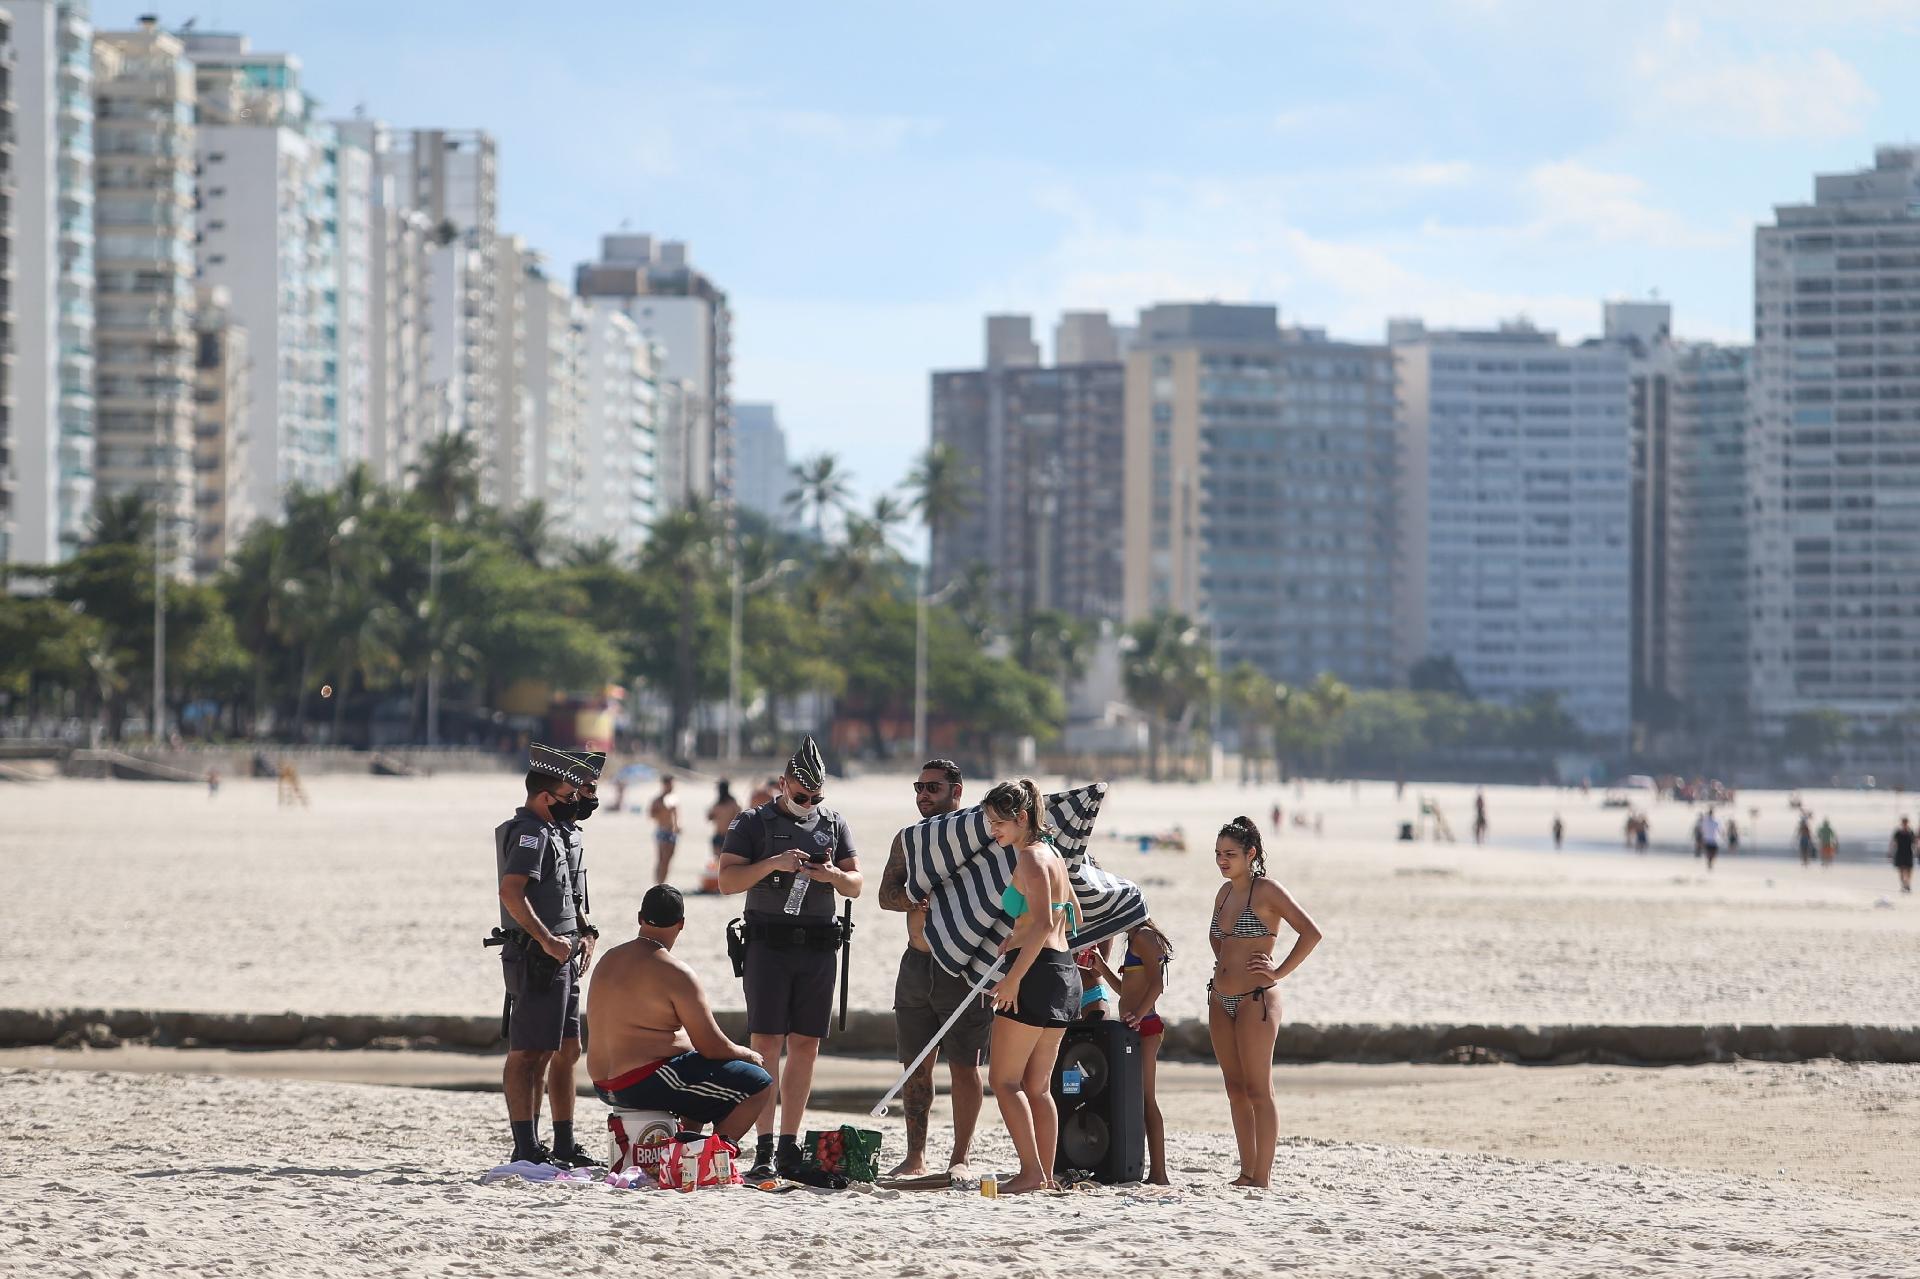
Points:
(955, 867)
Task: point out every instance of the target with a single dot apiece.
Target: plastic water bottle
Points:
(798, 893)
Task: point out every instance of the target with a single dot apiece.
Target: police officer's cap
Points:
(592, 761)
(562, 764)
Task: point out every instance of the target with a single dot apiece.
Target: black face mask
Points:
(565, 811)
(584, 807)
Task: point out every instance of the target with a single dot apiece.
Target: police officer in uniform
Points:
(567, 1152)
(790, 842)
(540, 923)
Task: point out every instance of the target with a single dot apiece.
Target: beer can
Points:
(989, 1187)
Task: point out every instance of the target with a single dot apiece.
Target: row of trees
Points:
(361, 596)
(1168, 670)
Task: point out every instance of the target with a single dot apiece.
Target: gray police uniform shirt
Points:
(525, 845)
(760, 833)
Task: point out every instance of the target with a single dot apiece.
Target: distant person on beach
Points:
(540, 917)
(1641, 835)
(1480, 817)
(1247, 914)
(1559, 831)
(925, 995)
(1829, 842)
(763, 792)
(1633, 826)
(1143, 978)
(1276, 817)
(213, 782)
(1709, 836)
(655, 1043)
(665, 814)
(1733, 836)
(1900, 850)
(721, 815)
(1803, 836)
(289, 790)
(1040, 994)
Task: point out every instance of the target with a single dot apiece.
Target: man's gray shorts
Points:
(790, 989)
(924, 996)
(543, 1014)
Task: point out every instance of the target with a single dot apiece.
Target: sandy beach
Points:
(247, 1176)
(374, 900)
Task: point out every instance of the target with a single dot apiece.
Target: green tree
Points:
(821, 485)
(1165, 667)
(944, 487)
(1439, 674)
(446, 479)
(1814, 734)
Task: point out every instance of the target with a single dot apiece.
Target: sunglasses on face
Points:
(805, 800)
(929, 788)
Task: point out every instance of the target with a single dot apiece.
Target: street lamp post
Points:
(922, 602)
(159, 630)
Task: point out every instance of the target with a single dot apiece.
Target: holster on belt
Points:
(737, 947)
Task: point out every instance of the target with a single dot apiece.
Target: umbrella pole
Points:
(880, 1107)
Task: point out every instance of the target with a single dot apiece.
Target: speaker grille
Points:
(1085, 1139)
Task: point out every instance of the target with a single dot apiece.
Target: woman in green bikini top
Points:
(1041, 992)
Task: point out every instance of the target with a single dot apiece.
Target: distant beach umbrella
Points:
(955, 867)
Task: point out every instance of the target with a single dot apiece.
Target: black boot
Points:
(763, 1169)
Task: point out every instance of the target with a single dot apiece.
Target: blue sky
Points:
(868, 180)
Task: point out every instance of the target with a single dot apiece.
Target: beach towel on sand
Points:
(955, 867)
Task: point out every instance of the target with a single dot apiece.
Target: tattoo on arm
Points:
(893, 880)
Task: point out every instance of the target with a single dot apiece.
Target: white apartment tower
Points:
(1835, 465)
(556, 355)
(7, 196)
(221, 371)
(1517, 504)
(681, 310)
(403, 404)
(762, 476)
(144, 287)
(51, 435)
(617, 445)
(268, 235)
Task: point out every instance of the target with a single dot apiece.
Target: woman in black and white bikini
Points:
(1243, 1002)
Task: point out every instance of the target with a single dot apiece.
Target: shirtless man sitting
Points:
(655, 1045)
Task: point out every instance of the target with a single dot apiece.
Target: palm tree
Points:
(888, 513)
(944, 486)
(124, 519)
(820, 485)
(528, 529)
(683, 546)
(1254, 699)
(1166, 669)
(601, 552)
(446, 478)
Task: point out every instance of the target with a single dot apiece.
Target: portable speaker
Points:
(1099, 1089)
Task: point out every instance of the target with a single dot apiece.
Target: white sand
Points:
(374, 900)
(106, 1174)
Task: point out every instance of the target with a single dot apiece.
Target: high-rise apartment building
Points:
(685, 313)
(1687, 433)
(7, 196)
(762, 473)
(1046, 448)
(506, 437)
(1835, 458)
(1518, 497)
(354, 179)
(1261, 473)
(1089, 337)
(269, 235)
(222, 502)
(450, 177)
(556, 357)
(144, 342)
(403, 406)
(617, 438)
(51, 380)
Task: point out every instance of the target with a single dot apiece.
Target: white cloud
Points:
(1446, 174)
(1684, 81)
(850, 132)
(1568, 196)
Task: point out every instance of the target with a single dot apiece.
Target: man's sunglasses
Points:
(929, 788)
(805, 800)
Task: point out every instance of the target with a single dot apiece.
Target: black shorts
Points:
(689, 1086)
(789, 989)
(1903, 861)
(543, 1015)
(924, 996)
(1049, 993)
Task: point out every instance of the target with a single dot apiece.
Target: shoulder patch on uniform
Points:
(529, 841)
(735, 822)
(822, 838)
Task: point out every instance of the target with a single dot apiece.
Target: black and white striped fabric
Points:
(955, 867)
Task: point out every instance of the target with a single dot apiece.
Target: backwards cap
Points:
(562, 764)
(807, 767)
